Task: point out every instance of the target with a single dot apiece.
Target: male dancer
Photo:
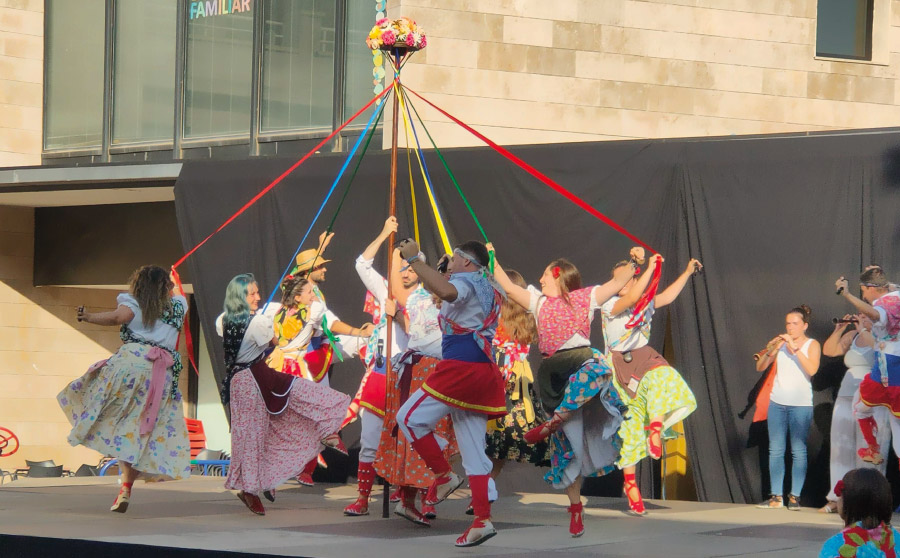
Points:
(881, 303)
(372, 388)
(466, 384)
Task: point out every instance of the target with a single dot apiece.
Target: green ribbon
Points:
(332, 339)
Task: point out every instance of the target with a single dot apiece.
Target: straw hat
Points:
(307, 260)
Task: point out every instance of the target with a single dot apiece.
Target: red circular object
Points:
(7, 439)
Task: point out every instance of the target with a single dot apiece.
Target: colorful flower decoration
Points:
(398, 33)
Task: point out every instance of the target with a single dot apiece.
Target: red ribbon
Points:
(275, 182)
(646, 298)
(188, 340)
(537, 174)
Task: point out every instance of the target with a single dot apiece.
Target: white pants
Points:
(421, 413)
(847, 439)
(369, 436)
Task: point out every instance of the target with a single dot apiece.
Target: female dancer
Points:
(505, 438)
(289, 322)
(855, 344)
(656, 394)
(796, 359)
(111, 408)
(277, 420)
(865, 506)
(572, 375)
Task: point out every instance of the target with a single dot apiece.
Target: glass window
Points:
(298, 65)
(218, 68)
(144, 86)
(363, 72)
(844, 29)
(74, 73)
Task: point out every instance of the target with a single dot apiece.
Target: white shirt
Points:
(858, 361)
(259, 334)
(536, 301)
(614, 327)
(377, 285)
(159, 332)
(792, 386)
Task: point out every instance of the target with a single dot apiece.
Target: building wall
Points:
(531, 71)
(21, 81)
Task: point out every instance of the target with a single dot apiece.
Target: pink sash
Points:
(161, 360)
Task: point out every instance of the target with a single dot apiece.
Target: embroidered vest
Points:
(558, 321)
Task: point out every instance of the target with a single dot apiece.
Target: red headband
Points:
(556, 271)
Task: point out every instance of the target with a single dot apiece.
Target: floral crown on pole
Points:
(398, 33)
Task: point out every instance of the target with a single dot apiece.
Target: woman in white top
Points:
(128, 406)
(796, 358)
(855, 344)
(277, 420)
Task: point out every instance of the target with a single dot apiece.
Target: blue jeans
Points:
(784, 420)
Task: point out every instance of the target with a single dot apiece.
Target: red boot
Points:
(869, 429)
(576, 522)
(366, 476)
(654, 439)
(305, 477)
(543, 431)
(407, 507)
(481, 529)
(635, 502)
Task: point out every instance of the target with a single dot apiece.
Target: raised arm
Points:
(635, 292)
(121, 315)
(621, 276)
(431, 278)
(515, 293)
(672, 291)
(324, 241)
(861, 305)
(838, 343)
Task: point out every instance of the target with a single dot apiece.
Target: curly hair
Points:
(291, 288)
(568, 278)
(518, 323)
(151, 287)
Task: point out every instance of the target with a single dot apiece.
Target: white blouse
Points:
(159, 332)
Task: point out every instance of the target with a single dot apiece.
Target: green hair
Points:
(236, 308)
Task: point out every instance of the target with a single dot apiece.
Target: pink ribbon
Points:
(161, 360)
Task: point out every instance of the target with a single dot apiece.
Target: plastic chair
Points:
(45, 471)
(196, 436)
(213, 462)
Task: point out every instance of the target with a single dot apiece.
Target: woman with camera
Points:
(796, 360)
(852, 339)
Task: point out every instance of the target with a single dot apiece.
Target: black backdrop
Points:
(775, 220)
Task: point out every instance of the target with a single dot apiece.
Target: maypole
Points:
(398, 39)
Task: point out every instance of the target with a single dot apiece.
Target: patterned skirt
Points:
(505, 437)
(661, 393)
(104, 407)
(396, 460)
(267, 449)
(589, 392)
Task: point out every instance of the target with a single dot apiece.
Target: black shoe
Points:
(793, 504)
(270, 495)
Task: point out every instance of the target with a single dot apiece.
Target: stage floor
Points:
(199, 514)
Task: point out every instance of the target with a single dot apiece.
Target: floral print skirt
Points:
(396, 460)
(104, 407)
(267, 449)
(505, 437)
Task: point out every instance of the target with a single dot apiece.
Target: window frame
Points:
(879, 37)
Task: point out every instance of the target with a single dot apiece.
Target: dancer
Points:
(277, 420)
(466, 383)
(289, 321)
(656, 394)
(881, 388)
(855, 345)
(574, 380)
(865, 506)
(796, 359)
(505, 438)
(372, 387)
(129, 406)
(396, 460)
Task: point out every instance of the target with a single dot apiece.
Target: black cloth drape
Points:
(774, 220)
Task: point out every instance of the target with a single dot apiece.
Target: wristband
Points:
(415, 258)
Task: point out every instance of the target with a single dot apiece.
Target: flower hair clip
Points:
(556, 271)
(839, 488)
